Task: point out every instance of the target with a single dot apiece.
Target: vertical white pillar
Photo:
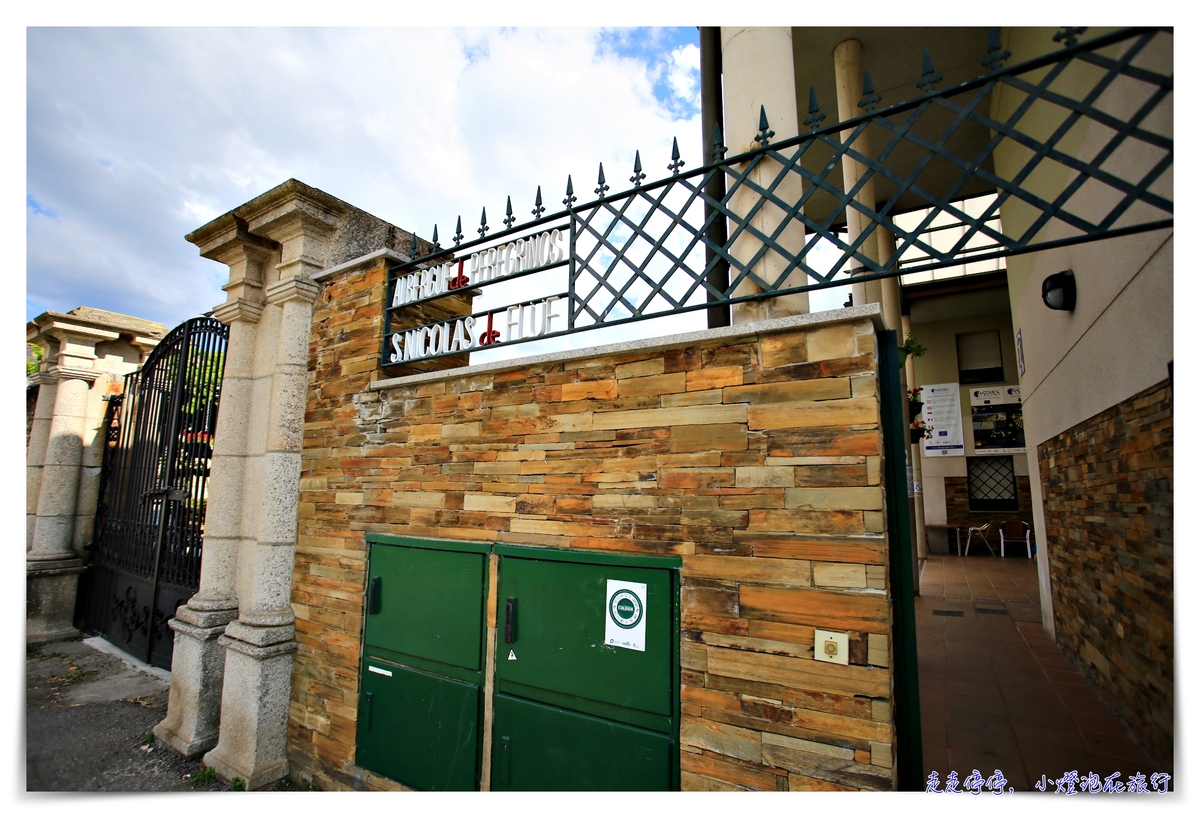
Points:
(848, 76)
(35, 457)
(193, 720)
(759, 74)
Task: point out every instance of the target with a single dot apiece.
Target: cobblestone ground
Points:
(88, 722)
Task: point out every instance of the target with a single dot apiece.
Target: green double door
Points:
(585, 691)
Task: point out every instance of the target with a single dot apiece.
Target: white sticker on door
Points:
(625, 615)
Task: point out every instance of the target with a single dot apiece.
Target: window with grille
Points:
(991, 484)
(979, 358)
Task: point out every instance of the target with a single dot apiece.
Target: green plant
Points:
(34, 361)
(206, 776)
(913, 347)
(238, 785)
(149, 739)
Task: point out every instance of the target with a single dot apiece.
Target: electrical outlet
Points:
(831, 646)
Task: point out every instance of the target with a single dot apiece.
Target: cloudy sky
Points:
(137, 136)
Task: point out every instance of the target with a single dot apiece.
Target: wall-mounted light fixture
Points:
(1058, 291)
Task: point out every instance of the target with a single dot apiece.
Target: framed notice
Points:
(996, 420)
(943, 414)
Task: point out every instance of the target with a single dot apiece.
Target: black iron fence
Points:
(1085, 136)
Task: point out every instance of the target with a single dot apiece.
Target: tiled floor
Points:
(996, 692)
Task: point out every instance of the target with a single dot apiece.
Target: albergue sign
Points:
(522, 321)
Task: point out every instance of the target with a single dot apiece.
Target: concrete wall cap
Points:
(362, 261)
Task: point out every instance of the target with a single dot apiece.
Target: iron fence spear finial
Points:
(509, 218)
(436, 246)
(571, 197)
(483, 225)
(458, 234)
(764, 135)
(815, 117)
(1069, 36)
(637, 176)
(994, 61)
(869, 99)
(676, 162)
(538, 210)
(929, 79)
(718, 146)
(600, 191)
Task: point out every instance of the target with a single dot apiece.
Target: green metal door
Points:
(572, 711)
(421, 699)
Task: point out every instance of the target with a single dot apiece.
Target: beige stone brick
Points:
(638, 369)
(693, 657)
(653, 385)
(598, 390)
(460, 431)
(873, 463)
(604, 501)
(489, 502)
(875, 577)
(419, 499)
(676, 416)
(348, 498)
(787, 573)
(706, 397)
(784, 349)
(708, 437)
(789, 391)
(837, 341)
(881, 710)
(881, 754)
(424, 431)
(839, 575)
(724, 739)
(763, 476)
(804, 745)
(863, 386)
(838, 498)
(852, 411)
(714, 378)
(873, 521)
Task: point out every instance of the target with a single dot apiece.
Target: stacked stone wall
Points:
(757, 459)
(1108, 485)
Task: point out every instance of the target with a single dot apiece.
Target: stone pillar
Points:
(53, 568)
(35, 456)
(87, 350)
(192, 723)
(848, 76)
(759, 73)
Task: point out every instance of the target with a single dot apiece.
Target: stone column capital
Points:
(238, 309)
(292, 289)
(70, 373)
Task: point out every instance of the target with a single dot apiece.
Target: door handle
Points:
(510, 620)
(374, 596)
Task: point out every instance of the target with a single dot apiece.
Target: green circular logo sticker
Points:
(625, 609)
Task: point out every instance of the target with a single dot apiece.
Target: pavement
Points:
(89, 713)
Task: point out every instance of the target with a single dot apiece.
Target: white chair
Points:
(1015, 531)
(981, 530)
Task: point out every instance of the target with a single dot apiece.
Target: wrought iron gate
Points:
(150, 515)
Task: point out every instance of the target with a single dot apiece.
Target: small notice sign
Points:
(625, 615)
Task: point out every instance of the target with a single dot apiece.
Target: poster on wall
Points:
(996, 419)
(942, 413)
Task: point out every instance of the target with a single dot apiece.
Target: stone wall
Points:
(958, 511)
(1108, 485)
(756, 457)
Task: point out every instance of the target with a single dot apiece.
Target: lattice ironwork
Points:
(150, 518)
(1079, 147)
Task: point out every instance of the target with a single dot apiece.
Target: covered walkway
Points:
(996, 692)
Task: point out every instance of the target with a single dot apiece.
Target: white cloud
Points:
(138, 136)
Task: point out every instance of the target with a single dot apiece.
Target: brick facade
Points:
(1108, 485)
(756, 459)
(958, 512)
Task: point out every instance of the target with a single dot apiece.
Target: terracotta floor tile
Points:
(963, 723)
(981, 705)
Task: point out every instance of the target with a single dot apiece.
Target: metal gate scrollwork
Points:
(150, 518)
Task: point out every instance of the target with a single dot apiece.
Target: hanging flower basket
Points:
(919, 430)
